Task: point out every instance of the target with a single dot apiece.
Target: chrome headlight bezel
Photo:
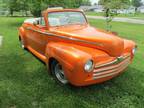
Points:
(134, 50)
(89, 66)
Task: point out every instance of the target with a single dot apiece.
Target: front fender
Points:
(128, 46)
(73, 58)
(69, 56)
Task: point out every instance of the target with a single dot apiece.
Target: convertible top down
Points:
(74, 51)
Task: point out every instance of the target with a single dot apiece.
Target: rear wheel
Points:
(58, 72)
(22, 44)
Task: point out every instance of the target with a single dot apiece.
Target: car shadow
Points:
(125, 86)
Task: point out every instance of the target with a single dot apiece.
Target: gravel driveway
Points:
(129, 20)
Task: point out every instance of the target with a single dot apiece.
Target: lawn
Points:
(133, 16)
(24, 82)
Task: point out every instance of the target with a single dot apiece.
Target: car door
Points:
(36, 35)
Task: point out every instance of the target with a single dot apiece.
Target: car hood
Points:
(96, 38)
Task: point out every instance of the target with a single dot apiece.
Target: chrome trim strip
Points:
(107, 75)
(114, 70)
(112, 67)
(116, 61)
(64, 37)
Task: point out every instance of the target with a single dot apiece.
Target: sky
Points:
(96, 1)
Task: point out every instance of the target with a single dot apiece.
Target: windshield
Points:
(66, 18)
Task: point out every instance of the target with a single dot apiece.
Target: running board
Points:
(40, 56)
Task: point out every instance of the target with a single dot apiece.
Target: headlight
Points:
(89, 66)
(134, 50)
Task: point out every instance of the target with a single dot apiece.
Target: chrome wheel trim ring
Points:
(59, 73)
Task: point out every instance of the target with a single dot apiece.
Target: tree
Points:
(2, 7)
(136, 3)
(37, 6)
(86, 2)
(12, 6)
(16, 5)
(111, 7)
(23, 5)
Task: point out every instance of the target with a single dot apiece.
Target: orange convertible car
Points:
(74, 51)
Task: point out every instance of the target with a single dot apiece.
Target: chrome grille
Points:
(112, 68)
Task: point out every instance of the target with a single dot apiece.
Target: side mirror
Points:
(35, 22)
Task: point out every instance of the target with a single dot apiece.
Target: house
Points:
(95, 8)
(130, 10)
(84, 8)
(141, 9)
(2, 12)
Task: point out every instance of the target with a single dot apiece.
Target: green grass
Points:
(134, 16)
(24, 82)
(94, 13)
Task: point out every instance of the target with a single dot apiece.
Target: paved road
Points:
(1, 40)
(129, 20)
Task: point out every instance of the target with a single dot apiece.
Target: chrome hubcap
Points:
(60, 74)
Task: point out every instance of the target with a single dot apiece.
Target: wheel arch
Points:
(19, 38)
(71, 58)
(21, 33)
(50, 61)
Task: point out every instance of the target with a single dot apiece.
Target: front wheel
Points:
(58, 72)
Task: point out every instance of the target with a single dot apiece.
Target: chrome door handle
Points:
(29, 28)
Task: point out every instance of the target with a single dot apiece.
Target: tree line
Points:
(120, 4)
(36, 6)
(111, 7)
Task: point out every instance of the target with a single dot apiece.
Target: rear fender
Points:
(21, 33)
